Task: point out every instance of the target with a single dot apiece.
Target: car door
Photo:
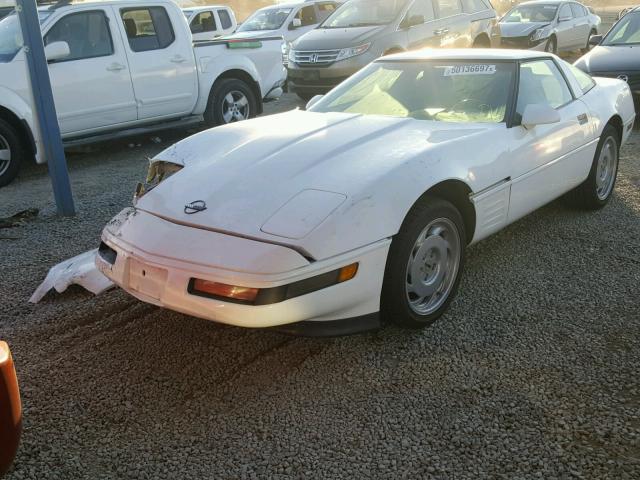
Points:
(421, 25)
(225, 20)
(97, 58)
(455, 29)
(582, 26)
(548, 160)
(163, 67)
(204, 26)
(566, 33)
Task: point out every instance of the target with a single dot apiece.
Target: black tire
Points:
(586, 196)
(552, 45)
(396, 295)
(588, 47)
(482, 42)
(217, 107)
(11, 141)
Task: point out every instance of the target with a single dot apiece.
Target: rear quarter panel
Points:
(611, 97)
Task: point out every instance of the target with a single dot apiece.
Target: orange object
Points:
(10, 409)
(348, 272)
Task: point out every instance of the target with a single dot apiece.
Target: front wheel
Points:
(12, 153)
(425, 265)
(596, 191)
(231, 100)
(552, 46)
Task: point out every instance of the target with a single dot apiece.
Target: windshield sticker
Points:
(480, 69)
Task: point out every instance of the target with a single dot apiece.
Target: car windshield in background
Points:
(531, 14)
(11, 35)
(444, 91)
(268, 19)
(625, 32)
(365, 13)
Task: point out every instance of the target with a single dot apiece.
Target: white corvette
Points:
(360, 209)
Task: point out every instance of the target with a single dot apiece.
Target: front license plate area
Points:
(148, 280)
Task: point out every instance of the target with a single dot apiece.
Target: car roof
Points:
(469, 54)
(297, 4)
(205, 7)
(546, 2)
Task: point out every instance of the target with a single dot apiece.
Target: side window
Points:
(307, 16)
(225, 19)
(87, 34)
(577, 10)
(474, 6)
(420, 8)
(324, 10)
(585, 81)
(565, 12)
(147, 28)
(448, 8)
(203, 22)
(542, 83)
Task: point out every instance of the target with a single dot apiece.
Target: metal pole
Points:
(44, 106)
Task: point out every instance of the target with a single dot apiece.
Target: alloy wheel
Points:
(607, 168)
(235, 107)
(5, 155)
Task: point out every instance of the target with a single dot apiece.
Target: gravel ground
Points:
(533, 373)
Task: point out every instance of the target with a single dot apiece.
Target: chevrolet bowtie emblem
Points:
(195, 207)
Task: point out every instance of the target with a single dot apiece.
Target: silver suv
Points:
(362, 30)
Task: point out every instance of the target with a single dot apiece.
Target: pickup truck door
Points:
(205, 26)
(160, 52)
(548, 160)
(92, 86)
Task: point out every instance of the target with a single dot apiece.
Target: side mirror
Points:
(10, 410)
(313, 101)
(295, 23)
(539, 114)
(57, 51)
(595, 40)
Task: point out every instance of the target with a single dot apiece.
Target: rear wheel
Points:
(425, 264)
(596, 191)
(231, 100)
(552, 45)
(12, 153)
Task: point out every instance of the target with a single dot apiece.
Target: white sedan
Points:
(359, 210)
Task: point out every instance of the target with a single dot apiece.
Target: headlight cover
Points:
(292, 55)
(352, 52)
(540, 34)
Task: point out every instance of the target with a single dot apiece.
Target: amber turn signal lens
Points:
(348, 272)
(224, 290)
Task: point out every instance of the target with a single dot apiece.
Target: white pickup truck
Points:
(126, 66)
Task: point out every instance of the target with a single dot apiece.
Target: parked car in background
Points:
(363, 30)
(617, 55)
(10, 409)
(549, 25)
(121, 65)
(207, 23)
(364, 204)
(287, 20)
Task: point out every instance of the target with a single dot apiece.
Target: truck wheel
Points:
(12, 153)
(231, 100)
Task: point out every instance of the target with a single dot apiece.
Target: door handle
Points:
(178, 59)
(441, 31)
(115, 67)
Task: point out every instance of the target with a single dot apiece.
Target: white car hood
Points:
(248, 171)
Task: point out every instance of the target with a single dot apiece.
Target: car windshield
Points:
(625, 32)
(266, 19)
(365, 13)
(11, 35)
(444, 91)
(531, 14)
